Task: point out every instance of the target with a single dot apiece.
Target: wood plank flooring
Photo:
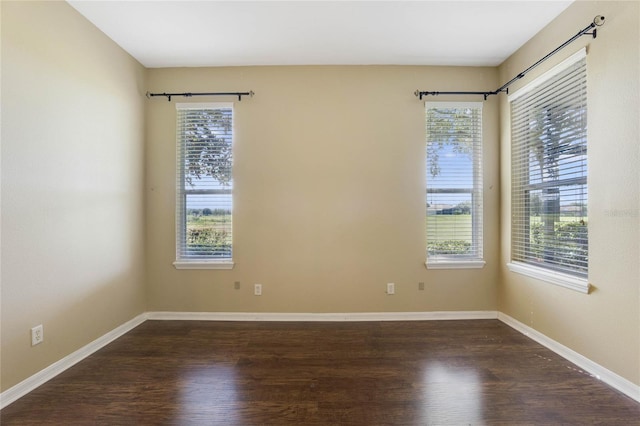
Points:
(361, 373)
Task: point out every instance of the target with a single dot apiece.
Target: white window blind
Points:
(204, 182)
(549, 171)
(454, 181)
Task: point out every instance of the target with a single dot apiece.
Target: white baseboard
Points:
(607, 376)
(24, 387)
(617, 382)
(15, 392)
(328, 317)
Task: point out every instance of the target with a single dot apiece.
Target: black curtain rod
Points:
(188, 95)
(597, 22)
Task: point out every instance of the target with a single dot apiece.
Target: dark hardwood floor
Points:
(361, 373)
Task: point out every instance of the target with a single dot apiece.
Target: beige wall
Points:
(329, 192)
(605, 325)
(72, 183)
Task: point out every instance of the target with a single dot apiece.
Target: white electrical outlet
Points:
(37, 335)
(391, 288)
(257, 289)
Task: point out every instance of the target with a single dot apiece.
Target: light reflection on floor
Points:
(208, 394)
(452, 395)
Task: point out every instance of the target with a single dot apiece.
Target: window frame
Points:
(474, 260)
(546, 271)
(202, 261)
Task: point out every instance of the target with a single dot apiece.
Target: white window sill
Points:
(204, 264)
(564, 280)
(455, 264)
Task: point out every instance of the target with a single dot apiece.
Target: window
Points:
(204, 186)
(454, 185)
(549, 175)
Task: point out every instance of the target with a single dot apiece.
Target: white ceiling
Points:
(230, 33)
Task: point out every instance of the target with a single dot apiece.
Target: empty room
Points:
(320, 212)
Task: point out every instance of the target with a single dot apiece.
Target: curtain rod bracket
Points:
(598, 21)
(250, 94)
